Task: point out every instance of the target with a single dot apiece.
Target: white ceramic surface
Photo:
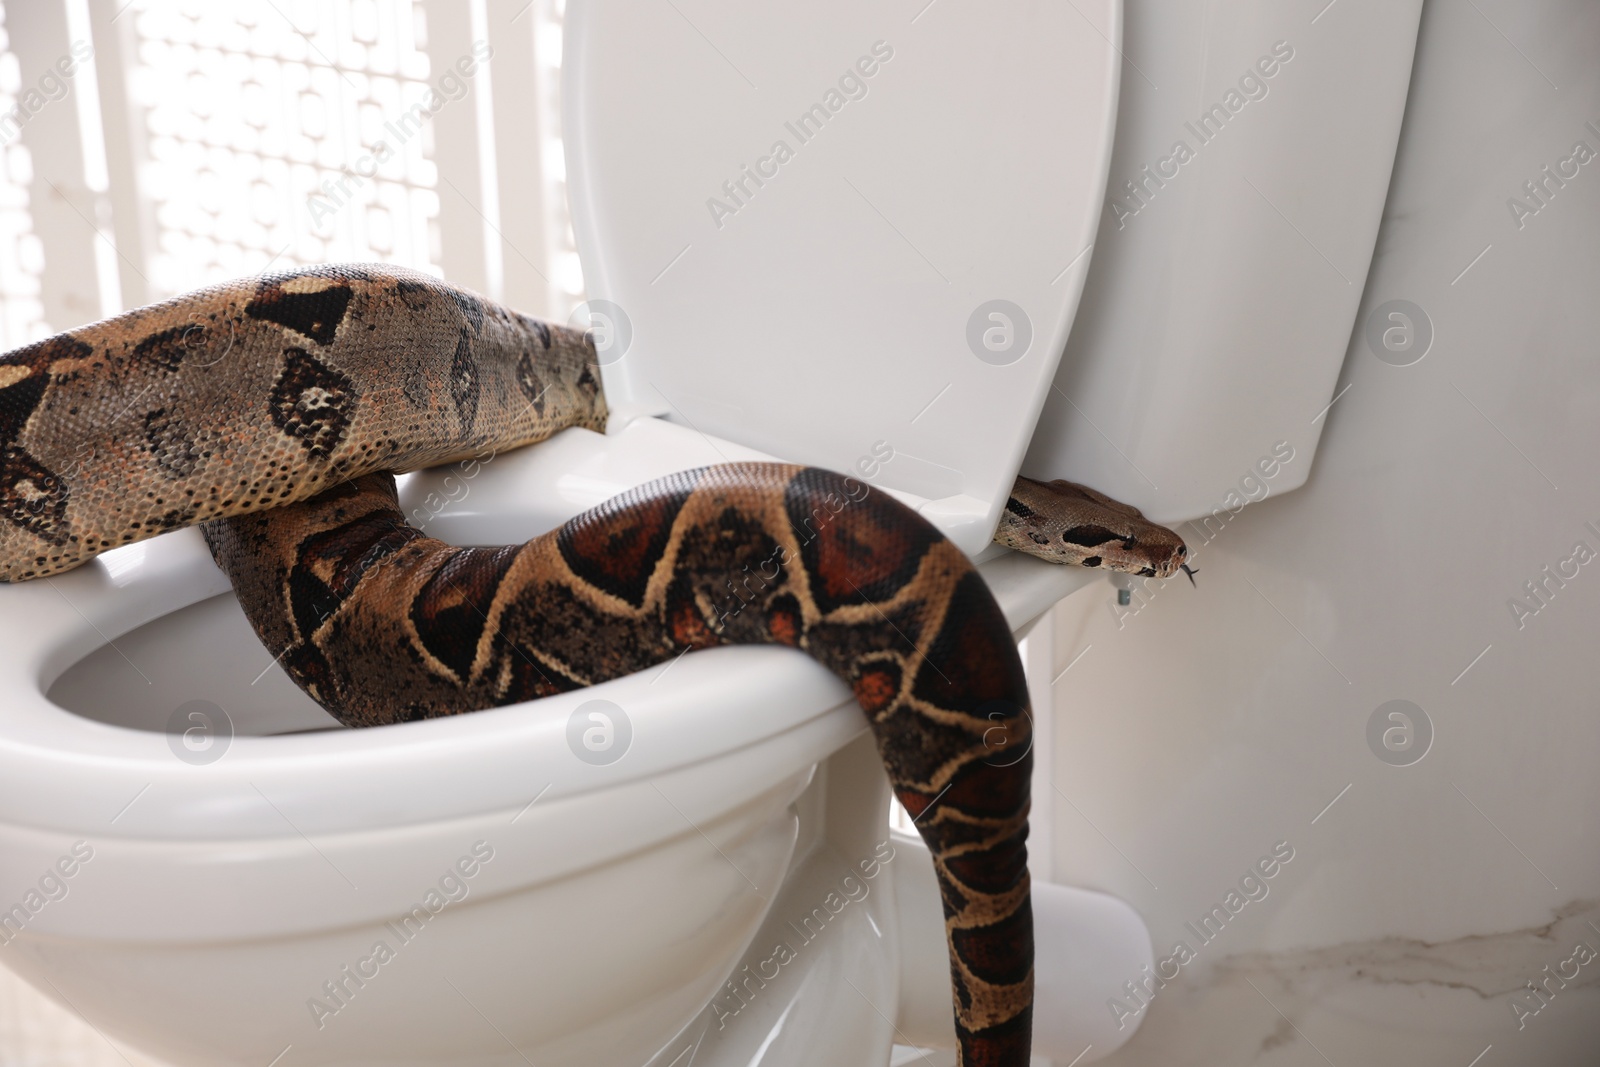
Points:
(960, 159)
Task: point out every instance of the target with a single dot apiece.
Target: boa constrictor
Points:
(274, 411)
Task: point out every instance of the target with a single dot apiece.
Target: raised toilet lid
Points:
(838, 230)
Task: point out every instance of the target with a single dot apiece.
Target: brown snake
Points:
(273, 411)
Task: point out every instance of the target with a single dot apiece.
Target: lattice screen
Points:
(227, 136)
(282, 133)
(21, 252)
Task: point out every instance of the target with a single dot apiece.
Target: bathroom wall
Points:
(1399, 872)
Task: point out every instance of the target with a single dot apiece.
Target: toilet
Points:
(204, 865)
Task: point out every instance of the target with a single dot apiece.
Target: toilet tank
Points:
(1254, 145)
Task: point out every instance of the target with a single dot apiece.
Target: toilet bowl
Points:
(226, 909)
(201, 863)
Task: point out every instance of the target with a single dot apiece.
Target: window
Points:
(293, 137)
(150, 147)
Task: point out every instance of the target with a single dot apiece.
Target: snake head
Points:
(1063, 522)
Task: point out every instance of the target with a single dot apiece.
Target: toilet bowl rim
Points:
(61, 770)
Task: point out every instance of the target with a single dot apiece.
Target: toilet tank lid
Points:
(842, 233)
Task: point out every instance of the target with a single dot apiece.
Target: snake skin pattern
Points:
(254, 394)
(1064, 522)
(274, 411)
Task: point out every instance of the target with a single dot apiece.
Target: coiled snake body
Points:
(274, 411)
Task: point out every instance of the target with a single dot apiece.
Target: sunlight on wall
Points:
(21, 253)
(566, 271)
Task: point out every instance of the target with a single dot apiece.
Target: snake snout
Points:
(1174, 562)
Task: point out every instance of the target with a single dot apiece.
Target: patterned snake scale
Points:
(273, 412)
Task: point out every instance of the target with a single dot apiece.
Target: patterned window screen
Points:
(280, 133)
(21, 252)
